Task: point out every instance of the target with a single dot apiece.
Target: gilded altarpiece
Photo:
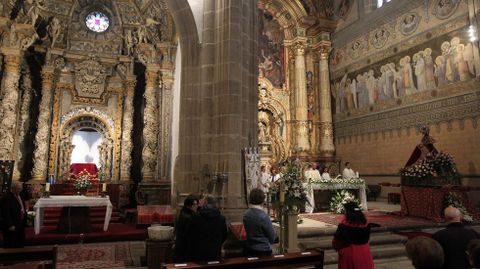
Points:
(90, 96)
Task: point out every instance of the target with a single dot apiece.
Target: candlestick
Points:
(47, 187)
(104, 187)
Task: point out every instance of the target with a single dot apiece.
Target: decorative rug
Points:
(93, 256)
(385, 220)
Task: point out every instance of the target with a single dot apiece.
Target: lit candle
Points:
(47, 187)
(104, 187)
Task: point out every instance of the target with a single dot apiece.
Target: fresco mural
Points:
(447, 59)
(272, 55)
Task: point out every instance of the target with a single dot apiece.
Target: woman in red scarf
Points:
(351, 240)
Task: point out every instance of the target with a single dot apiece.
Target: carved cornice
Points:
(457, 107)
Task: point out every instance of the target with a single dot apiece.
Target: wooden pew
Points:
(312, 259)
(12, 256)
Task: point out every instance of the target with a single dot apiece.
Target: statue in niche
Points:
(440, 70)
(34, 11)
(420, 71)
(262, 133)
(129, 41)
(443, 9)
(429, 69)
(409, 23)
(54, 30)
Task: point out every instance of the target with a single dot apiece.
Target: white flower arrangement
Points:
(83, 181)
(339, 199)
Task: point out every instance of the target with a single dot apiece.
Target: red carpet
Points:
(384, 220)
(111, 255)
(116, 232)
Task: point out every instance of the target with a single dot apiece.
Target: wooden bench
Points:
(310, 259)
(11, 256)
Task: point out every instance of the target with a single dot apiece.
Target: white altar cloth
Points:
(73, 201)
(360, 187)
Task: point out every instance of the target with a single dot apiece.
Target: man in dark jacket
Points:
(189, 209)
(206, 233)
(14, 215)
(454, 240)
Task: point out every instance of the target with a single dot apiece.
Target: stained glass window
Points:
(97, 21)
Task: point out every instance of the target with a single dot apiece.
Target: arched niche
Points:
(92, 120)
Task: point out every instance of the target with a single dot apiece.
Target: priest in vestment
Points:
(310, 175)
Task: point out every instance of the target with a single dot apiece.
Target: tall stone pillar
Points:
(40, 154)
(9, 103)
(327, 148)
(301, 99)
(126, 165)
(164, 134)
(150, 124)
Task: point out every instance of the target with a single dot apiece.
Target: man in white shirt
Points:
(264, 179)
(348, 172)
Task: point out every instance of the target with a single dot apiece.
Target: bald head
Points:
(452, 214)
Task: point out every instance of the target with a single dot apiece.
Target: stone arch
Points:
(87, 118)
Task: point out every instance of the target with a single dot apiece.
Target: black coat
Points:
(454, 241)
(181, 238)
(11, 212)
(206, 233)
(12, 216)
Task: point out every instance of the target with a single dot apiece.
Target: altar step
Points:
(97, 215)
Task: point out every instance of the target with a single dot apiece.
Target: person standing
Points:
(14, 215)
(351, 240)
(264, 179)
(348, 172)
(187, 212)
(454, 240)
(311, 175)
(206, 233)
(325, 174)
(258, 226)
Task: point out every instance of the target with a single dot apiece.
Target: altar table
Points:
(72, 201)
(360, 187)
